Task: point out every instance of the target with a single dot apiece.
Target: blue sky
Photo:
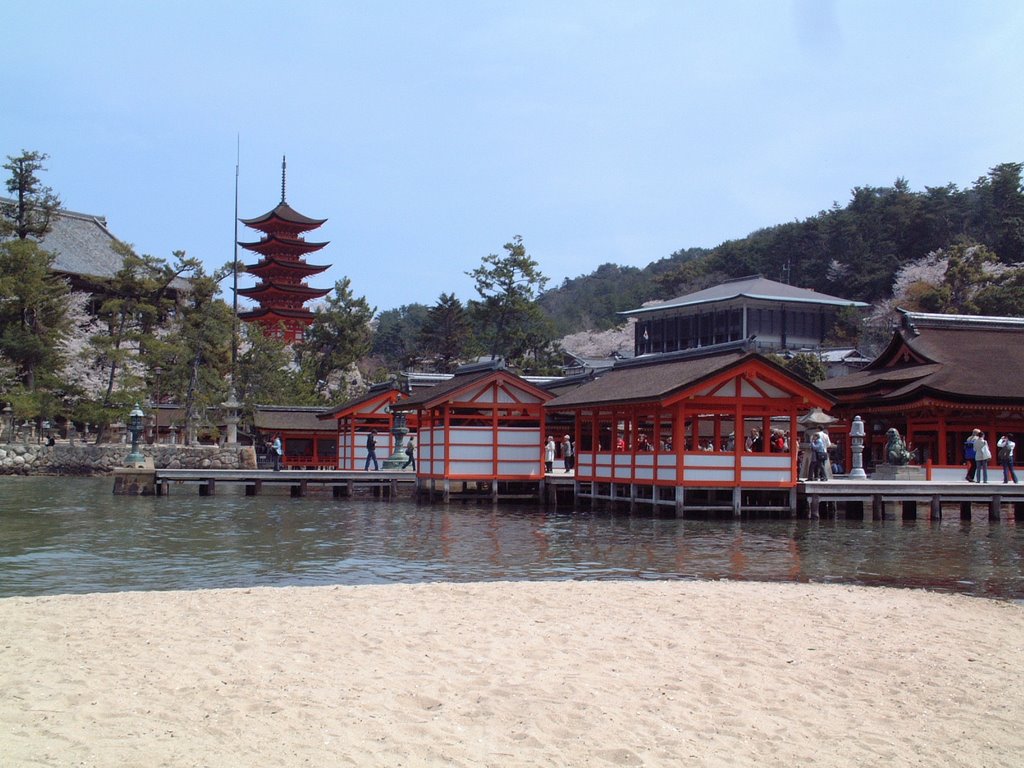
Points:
(429, 134)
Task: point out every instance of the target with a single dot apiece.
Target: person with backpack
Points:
(972, 463)
(1006, 447)
(371, 451)
(819, 458)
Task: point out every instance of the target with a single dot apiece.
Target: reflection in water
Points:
(73, 536)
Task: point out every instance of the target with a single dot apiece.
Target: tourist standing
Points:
(549, 454)
(982, 453)
(972, 464)
(819, 458)
(567, 453)
(410, 452)
(826, 468)
(371, 451)
(275, 451)
(1006, 446)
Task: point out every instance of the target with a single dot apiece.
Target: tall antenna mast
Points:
(234, 270)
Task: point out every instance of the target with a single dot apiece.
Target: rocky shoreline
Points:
(88, 459)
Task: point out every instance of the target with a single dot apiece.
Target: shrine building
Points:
(940, 377)
(371, 412)
(282, 292)
(480, 432)
(691, 430)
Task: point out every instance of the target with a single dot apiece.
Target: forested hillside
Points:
(854, 251)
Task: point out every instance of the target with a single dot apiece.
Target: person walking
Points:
(982, 454)
(972, 464)
(568, 454)
(371, 451)
(410, 452)
(276, 451)
(1006, 446)
(549, 454)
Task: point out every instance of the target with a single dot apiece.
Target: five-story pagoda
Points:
(281, 291)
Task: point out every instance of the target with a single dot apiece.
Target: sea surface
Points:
(72, 535)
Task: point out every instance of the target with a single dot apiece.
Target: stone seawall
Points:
(64, 459)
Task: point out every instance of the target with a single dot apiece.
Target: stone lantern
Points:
(135, 427)
(399, 430)
(857, 449)
(231, 406)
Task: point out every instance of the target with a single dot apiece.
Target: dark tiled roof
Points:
(83, 246)
(645, 383)
(441, 389)
(964, 363)
(284, 212)
(268, 418)
(440, 392)
(756, 287)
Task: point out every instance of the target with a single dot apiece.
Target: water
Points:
(60, 535)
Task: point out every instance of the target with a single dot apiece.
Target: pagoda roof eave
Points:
(288, 264)
(285, 243)
(286, 290)
(261, 312)
(285, 214)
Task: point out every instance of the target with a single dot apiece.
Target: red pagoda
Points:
(281, 291)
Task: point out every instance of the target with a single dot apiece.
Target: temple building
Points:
(282, 292)
(940, 377)
(775, 315)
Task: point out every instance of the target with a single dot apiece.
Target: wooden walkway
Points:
(298, 481)
(870, 499)
(876, 499)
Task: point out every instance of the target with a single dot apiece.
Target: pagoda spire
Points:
(284, 170)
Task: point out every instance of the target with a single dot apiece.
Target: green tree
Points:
(807, 365)
(136, 300)
(446, 334)
(34, 204)
(204, 332)
(264, 374)
(1004, 295)
(339, 336)
(510, 323)
(395, 338)
(33, 317)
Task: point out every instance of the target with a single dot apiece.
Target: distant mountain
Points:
(590, 302)
(852, 251)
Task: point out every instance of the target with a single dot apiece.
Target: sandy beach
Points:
(513, 674)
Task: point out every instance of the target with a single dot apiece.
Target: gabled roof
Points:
(977, 358)
(754, 287)
(664, 376)
(446, 391)
(385, 392)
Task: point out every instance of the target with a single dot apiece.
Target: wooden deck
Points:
(341, 482)
(870, 499)
(876, 499)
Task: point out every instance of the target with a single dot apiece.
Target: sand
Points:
(513, 674)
